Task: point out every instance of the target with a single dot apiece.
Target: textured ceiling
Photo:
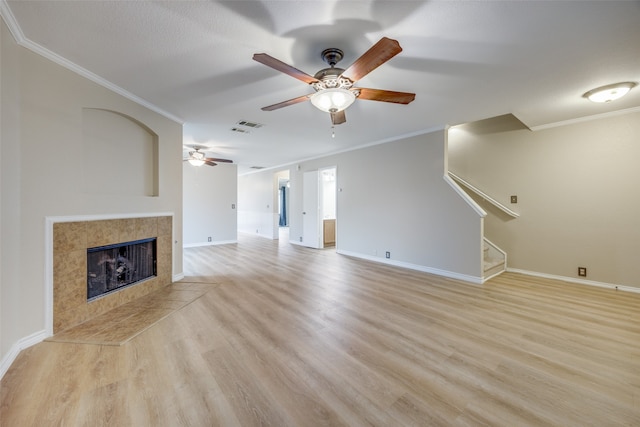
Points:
(466, 61)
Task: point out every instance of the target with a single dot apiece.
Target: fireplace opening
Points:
(113, 267)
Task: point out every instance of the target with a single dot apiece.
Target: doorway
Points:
(328, 202)
(319, 208)
(281, 200)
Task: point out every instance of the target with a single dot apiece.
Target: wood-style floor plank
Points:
(283, 335)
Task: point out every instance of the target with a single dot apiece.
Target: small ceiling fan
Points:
(333, 86)
(198, 158)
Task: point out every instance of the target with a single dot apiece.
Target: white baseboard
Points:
(177, 277)
(486, 279)
(265, 236)
(575, 280)
(424, 269)
(15, 349)
(218, 242)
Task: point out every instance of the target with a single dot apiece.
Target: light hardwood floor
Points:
(290, 336)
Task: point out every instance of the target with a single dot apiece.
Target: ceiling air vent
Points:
(239, 130)
(257, 167)
(250, 124)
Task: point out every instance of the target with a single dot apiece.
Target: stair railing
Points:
(484, 195)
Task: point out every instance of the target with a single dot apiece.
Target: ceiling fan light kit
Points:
(610, 92)
(334, 91)
(333, 100)
(198, 158)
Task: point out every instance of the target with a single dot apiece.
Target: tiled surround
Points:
(70, 243)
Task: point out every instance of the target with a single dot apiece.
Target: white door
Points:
(310, 206)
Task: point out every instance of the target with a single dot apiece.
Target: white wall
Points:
(209, 200)
(258, 204)
(391, 197)
(577, 189)
(43, 175)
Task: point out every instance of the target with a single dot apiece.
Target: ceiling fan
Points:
(333, 86)
(198, 158)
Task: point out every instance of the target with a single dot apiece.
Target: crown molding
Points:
(345, 150)
(11, 22)
(586, 119)
(18, 35)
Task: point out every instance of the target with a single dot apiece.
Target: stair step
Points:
(496, 269)
(491, 263)
(492, 266)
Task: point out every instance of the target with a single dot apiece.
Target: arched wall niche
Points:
(120, 154)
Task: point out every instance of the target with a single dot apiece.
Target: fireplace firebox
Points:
(113, 267)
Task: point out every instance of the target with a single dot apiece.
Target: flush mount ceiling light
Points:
(609, 93)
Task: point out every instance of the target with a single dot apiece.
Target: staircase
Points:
(494, 260)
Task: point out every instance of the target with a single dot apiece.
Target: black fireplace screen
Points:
(112, 267)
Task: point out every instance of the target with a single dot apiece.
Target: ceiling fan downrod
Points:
(332, 56)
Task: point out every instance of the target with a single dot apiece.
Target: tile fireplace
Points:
(73, 242)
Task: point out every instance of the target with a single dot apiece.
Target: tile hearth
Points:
(121, 324)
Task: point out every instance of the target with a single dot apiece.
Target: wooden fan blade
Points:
(211, 159)
(278, 65)
(208, 163)
(385, 95)
(377, 55)
(338, 118)
(286, 103)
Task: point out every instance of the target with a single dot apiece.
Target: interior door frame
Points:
(321, 203)
(311, 210)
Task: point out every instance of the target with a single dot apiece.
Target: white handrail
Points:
(484, 195)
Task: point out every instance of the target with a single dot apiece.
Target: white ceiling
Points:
(465, 60)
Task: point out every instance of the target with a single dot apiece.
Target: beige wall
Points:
(44, 175)
(10, 158)
(577, 188)
(391, 197)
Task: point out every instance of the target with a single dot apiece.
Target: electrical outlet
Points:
(387, 254)
(233, 205)
(514, 199)
(301, 238)
(582, 271)
(209, 239)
